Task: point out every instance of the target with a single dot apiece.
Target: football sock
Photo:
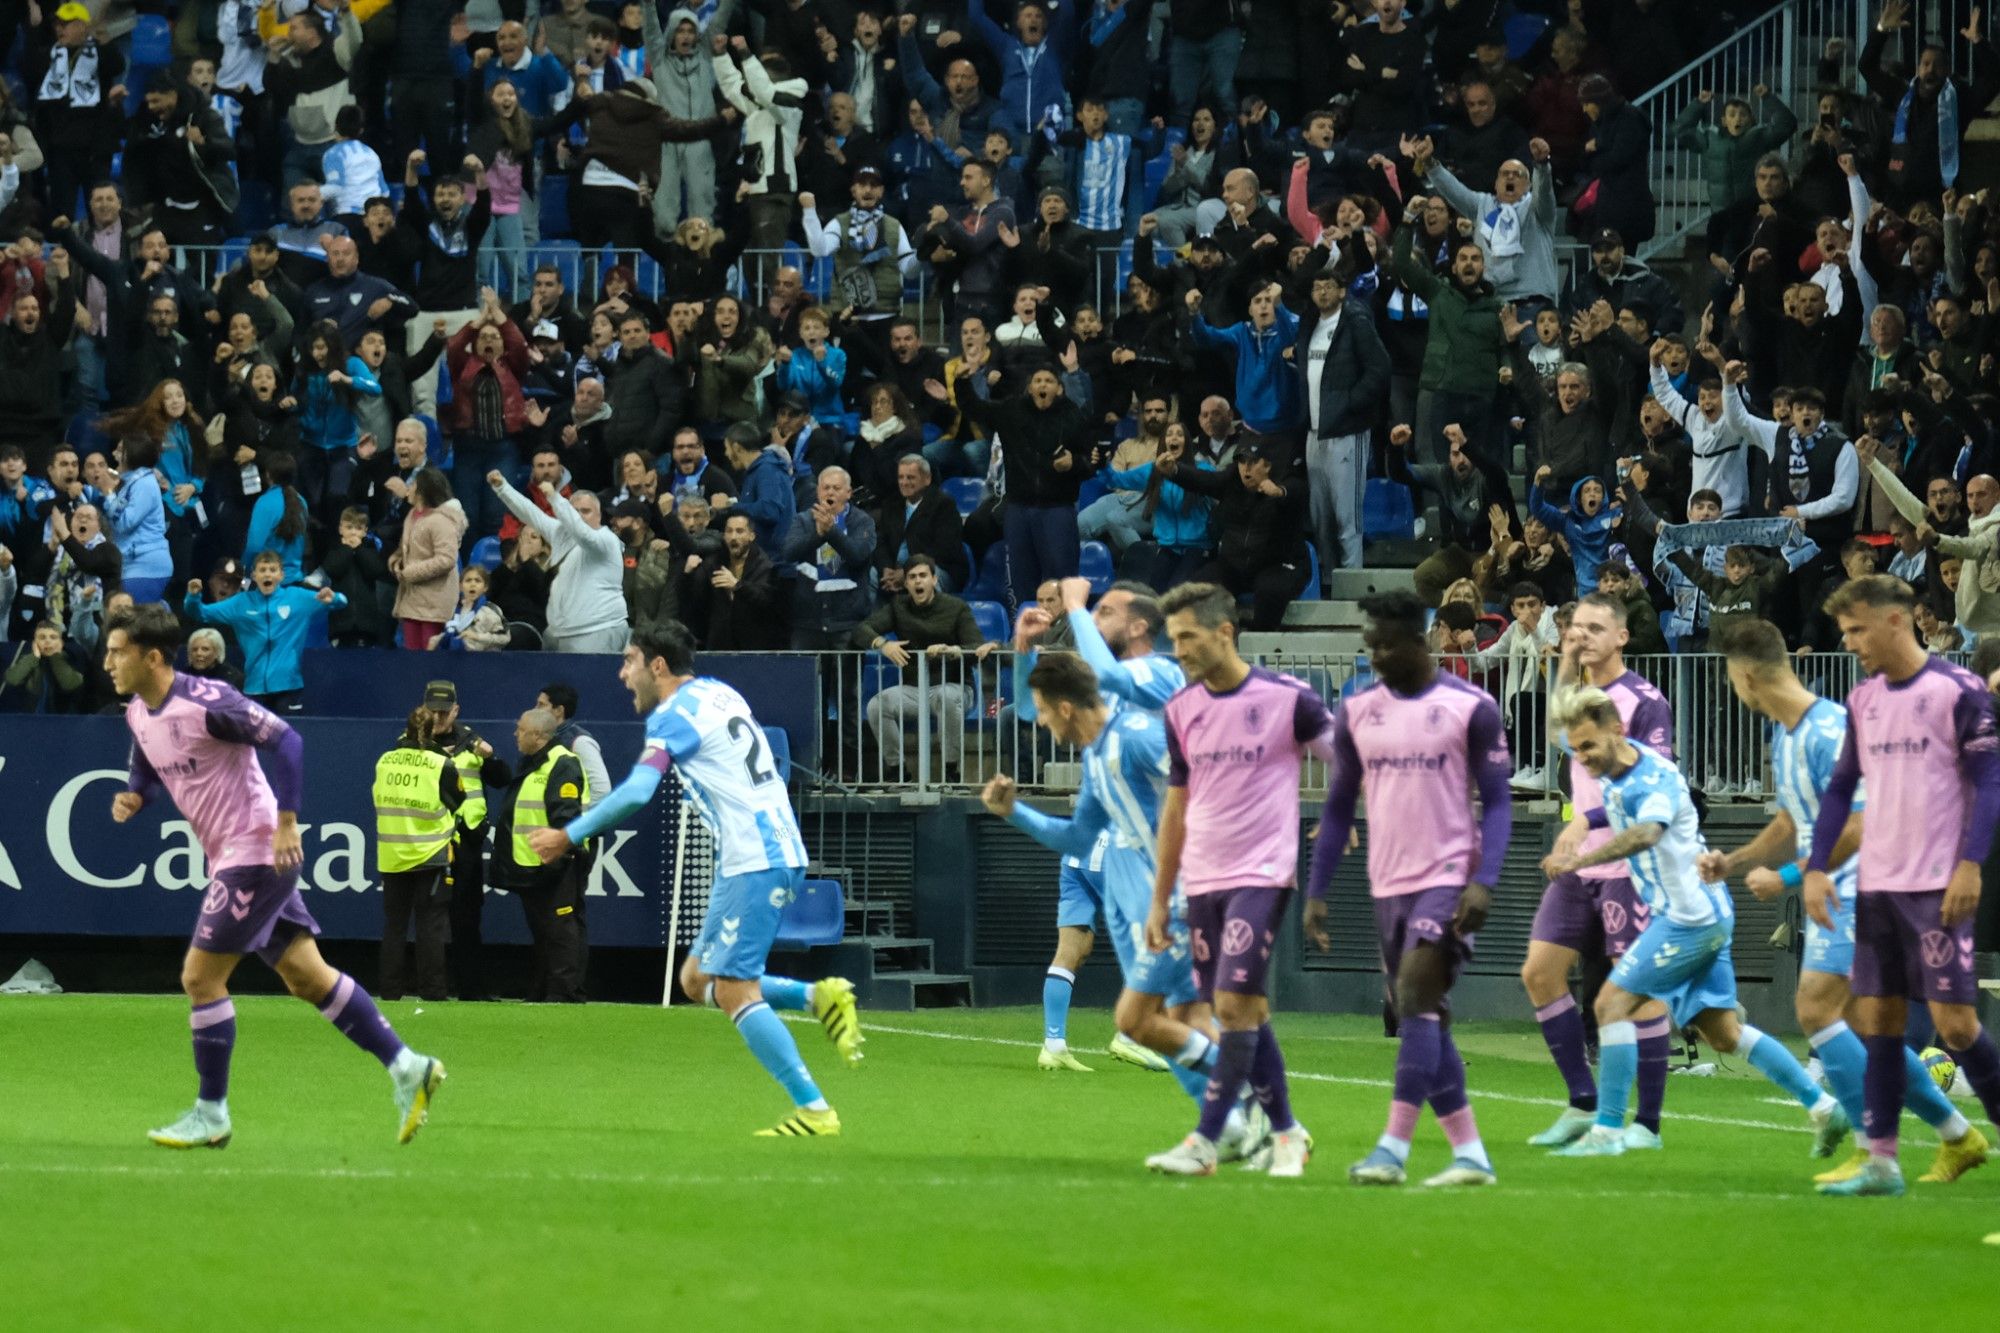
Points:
(1654, 1056)
(1617, 1067)
(1198, 1052)
(1882, 1092)
(1562, 1029)
(785, 993)
(771, 1042)
(1238, 1051)
(1418, 1050)
(1846, 1062)
(1448, 1090)
(1774, 1062)
(1981, 1065)
(214, 1029)
(1267, 1080)
(1056, 990)
(1193, 1081)
(351, 1009)
(1927, 1101)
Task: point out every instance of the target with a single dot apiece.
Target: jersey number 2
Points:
(739, 727)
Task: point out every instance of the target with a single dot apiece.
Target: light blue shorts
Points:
(1128, 897)
(742, 922)
(1832, 951)
(1687, 968)
(1081, 890)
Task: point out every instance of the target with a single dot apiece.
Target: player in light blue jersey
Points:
(1682, 957)
(1117, 641)
(1806, 735)
(704, 731)
(1124, 784)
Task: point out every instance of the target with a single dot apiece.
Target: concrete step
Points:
(1316, 646)
(1348, 584)
(893, 953)
(921, 990)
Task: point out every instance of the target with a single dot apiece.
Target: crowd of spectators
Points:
(1208, 274)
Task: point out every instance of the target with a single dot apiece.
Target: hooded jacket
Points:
(765, 494)
(1267, 385)
(685, 83)
(1589, 536)
(1031, 79)
(162, 162)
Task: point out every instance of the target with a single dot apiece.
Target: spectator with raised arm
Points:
(586, 609)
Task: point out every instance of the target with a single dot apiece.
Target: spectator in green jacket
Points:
(1732, 143)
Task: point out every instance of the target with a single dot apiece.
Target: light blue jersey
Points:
(727, 771)
(1653, 791)
(1802, 761)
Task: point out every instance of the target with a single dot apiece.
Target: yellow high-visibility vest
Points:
(412, 825)
(531, 809)
(472, 810)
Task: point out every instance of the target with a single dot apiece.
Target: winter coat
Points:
(1465, 346)
(772, 112)
(1533, 271)
(1589, 536)
(427, 583)
(135, 518)
(624, 131)
(508, 370)
(725, 389)
(1729, 162)
(766, 495)
(1267, 385)
(1624, 198)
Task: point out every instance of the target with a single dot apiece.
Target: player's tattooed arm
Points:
(1622, 846)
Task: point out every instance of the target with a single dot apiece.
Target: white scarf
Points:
(875, 432)
(75, 83)
(1501, 228)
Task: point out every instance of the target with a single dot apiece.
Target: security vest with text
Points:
(531, 804)
(413, 826)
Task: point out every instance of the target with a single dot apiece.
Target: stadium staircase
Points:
(889, 971)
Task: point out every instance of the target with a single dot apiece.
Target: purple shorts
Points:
(1590, 915)
(252, 909)
(1423, 917)
(1231, 931)
(1903, 948)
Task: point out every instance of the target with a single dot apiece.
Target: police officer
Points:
(416, 794)
(546, 789)
(467, 874)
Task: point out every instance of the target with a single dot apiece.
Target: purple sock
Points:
(1448, 1091)
(214, 1028)
(1562, 1029)
(1237, 1053)
(1417, 1055)
(1655, 1053)
(1267, 1080)
(1981, 1063)
(349, 1008)
(1882, 1092)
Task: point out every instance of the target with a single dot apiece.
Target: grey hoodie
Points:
(685, 83)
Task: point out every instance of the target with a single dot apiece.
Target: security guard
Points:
(546, 789)
(416, 795)
(467, 876)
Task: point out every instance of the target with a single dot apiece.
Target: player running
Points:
(1594, 911)
(236, 772)
(1807, 733)
(1237, 738)
(703, 729)
(1418, 740)
(1920, 733)
(1681, 959)
(1124, 782)
(1117, 641)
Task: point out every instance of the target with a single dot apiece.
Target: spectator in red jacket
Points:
(488, 359)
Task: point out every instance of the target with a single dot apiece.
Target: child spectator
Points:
(355, 569)
(1585, 526)
(271, 621)
(477, 625)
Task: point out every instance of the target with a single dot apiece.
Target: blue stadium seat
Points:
(1155, 176)
(781, 751)
(152, 43)
(1386, 510)
(1093, 489)
(1312, 593)
(1095, 563)
(652, 280)
(567, 256)
(1522, 32)
(1124, 270)
(486, 551)
(989, 580)
(991, 617)
(816, 916)
(965, 492)
(553, 200)
(819, 278)
(234, 251)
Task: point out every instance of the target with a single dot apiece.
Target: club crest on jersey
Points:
(1434, 717)
(1254, 716)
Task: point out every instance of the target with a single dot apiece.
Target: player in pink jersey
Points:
(1237, 737)
(1920, 732)
(1421, 743)
(1595, 913)
(236, 771)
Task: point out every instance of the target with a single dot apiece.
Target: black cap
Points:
(1255, 448)
(163, 81)
(793, 401)
(1606, 238)
(1204, 243)
(867, 174)
(630, 509)
(440, 694)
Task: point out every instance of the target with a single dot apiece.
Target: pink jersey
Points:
(1423, 754)
(1648, 720)
(1926, 749)
(201, 746)
(1239, 756)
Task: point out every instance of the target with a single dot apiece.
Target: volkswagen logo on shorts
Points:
(1237, 937)
(216, 898)
(1938, 949)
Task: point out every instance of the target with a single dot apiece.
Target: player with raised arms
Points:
(1418, 740)
(1920, 732)
(236, 772)
(704, 730)
(1681, 959)
(1124, 782)
(1807, 733)
(1237, 738)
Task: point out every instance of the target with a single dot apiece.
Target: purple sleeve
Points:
(1838, 802)
(1336, 817)
(1177, 765)
(140, 776)
(1597, 818)
(1653, 724)
(1979, 761)
(231, 717)
(1310, 719)
(1492, 773)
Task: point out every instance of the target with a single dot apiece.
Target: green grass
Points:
(593, 1168)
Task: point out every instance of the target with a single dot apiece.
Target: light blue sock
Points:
(1923, 1097)
(1056, 991)
(1846, 1061)
(785, 993)
(1194, 1082)
(771, 1042)
(1198, 1053)
(1774, 1062)
(1617, 1069)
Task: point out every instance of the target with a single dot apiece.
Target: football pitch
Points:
(594, 1169)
